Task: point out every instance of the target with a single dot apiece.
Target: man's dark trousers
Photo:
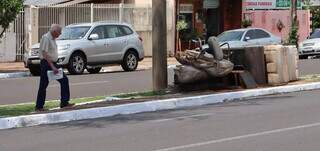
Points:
(44, 82)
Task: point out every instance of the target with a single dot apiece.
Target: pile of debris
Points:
(201, 65)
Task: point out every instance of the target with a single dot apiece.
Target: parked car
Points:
(240, 38)
(91, 45)
(310, 46)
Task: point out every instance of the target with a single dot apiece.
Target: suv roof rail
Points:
(76, 24)
(108, 21)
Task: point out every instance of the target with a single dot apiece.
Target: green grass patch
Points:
(311, 78)
(27, 108)
(141, 94)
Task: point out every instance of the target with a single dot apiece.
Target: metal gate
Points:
(19, 30)
(139, 17)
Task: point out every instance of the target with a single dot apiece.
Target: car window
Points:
(100, 31)
(72, 33)
(126, 30)
(113, 32)
(261, 34)
(251, 34)
(315, 34)
(230, 36)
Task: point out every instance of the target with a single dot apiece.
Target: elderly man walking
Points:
(48, 54)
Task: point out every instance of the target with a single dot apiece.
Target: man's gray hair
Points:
(55, 27)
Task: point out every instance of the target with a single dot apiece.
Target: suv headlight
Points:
(34, 52)
(64, 47)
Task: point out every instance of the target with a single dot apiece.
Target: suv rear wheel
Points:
(130, 61)
(77, 63)
(94, 70)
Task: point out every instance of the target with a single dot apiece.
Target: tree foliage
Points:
(315, 11)
(9, 9)
(293, 35)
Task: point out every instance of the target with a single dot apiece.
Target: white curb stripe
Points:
(14, 75)
(175, 103)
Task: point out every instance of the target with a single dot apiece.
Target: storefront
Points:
(275, 16)
(211, 16)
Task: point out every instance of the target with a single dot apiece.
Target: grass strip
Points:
(27, 108)
(311, 78)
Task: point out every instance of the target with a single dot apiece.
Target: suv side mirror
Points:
(93, 37)
(246, 38)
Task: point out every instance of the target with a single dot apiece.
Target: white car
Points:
(240, 38)
(92, 45)
(310, 46)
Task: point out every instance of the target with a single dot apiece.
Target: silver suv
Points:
(92, 45)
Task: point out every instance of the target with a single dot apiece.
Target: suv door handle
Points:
(106, 45)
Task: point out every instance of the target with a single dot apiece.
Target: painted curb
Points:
(14, 75)
(157, 105)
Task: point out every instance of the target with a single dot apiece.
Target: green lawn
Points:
(27, 108)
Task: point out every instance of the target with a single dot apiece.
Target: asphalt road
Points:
(288, 122)
(21, 90)
(309, 66)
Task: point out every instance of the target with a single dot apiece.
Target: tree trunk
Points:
(2, 31)
(293, 12)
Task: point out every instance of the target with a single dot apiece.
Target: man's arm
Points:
(49, 60)
(44, 46)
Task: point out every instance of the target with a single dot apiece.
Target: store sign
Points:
(269, 4)
(260, 4)
(285, 3)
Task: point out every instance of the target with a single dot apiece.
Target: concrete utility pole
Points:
(294, 4)
(159, 45)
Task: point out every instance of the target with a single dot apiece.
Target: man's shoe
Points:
(69, 105)
(41, 110)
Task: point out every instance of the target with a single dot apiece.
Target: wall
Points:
(8, 47)
(139, 2)
(147, 33)
(268, 19)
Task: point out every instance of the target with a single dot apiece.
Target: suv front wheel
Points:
(77, 63)
(130, 61)
(303, 57)
(34, 70)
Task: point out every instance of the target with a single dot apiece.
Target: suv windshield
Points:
(73, 33)
(230, 36)
(315, 34)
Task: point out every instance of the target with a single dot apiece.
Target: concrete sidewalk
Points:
(10, 67)
(17, 69)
